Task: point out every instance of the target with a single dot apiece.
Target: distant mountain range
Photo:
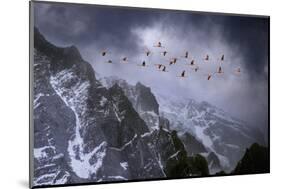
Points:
(89, 129)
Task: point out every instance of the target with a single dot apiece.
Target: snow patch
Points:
(83, 164)
(87, 164)
(232, 146)
(124, 165)
(64, 179)
(36, 104)
(103, 101)
(206, 140)
(174, 155)
(117, 177)
(41, 152)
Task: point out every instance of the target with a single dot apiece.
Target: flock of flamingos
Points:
(173, 61)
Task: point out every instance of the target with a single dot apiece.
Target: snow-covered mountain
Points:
(220, 133)
(86, 132)
(202, 127)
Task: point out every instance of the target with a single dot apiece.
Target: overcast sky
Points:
(129, 32)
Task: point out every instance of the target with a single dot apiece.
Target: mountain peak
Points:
(63, 58)
(73, 52)
(146, 100)
(139, 84)
(117, 90)
(68, 55)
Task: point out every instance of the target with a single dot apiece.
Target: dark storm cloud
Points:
(251, 35)
(105, 26)
(83, 25)
(125, 31)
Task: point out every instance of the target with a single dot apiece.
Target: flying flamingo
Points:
(182, 74)
(207, 57)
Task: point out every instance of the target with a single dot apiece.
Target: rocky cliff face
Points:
(54, 124)
(85, 132)
(192, 145)
(142, 99)
(255, 160)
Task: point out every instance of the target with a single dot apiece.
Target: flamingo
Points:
(159, 66)
(219, 70)
(238, 70)
(182, 74)
(103, 53)
(159, 44)
(164, 53)
(143, 64)
(186, 54)
(148, 52)
(207, 57)
(192, 62)
(125, 59)
(173, 61)
(196, 68)
(164, 69)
